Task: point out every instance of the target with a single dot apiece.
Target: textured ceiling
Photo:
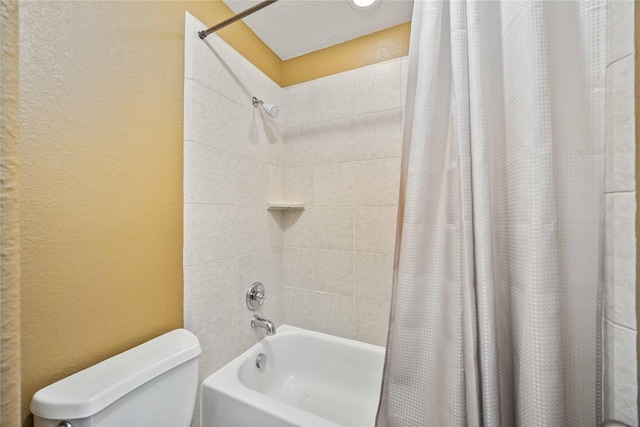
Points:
(295, 27)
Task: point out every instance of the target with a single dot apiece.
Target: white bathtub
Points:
(310, 379)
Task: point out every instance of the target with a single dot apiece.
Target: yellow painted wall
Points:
(101, 216)
(370, 49)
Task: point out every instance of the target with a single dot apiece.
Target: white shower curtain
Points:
(499, 256)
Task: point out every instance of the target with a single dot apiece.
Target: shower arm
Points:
(239, 16)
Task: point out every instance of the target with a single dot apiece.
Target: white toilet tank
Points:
(153, 384)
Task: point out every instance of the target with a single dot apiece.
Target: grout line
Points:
(230, 152)
(229, 258)
(353, 116)
(224, 313)
(195, 80)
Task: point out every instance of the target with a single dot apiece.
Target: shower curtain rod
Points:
(239, 16)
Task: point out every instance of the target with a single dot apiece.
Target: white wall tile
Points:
(275, 95)
(620, 374)
(213, 289)
(255, 134)
(299, 104)
(372, 321)
(219, 341)
(298, 268)
(246, 80)
(210, 233)
(298, 232)
(298, 146)
(212, 119)
(333, 141)
(620, 30)
(333, 314)
(270, 128)
(276, 149)
(276, 183)
(276, 268)
(620, 258)
(191, 28)
(377, 182)
(333, 229)
(253, 178)
(248, 336)
(404, 72)
(373, 276)
(378, 87)
(333, 272)
(378, 135)
(253, 82)
(333, 184)
(276, 307)
(299, 304)
(215, 67)
(276, 229)
(298, 184)
(375, 229)
(210, 175)
(620, 118)
(187, 286)
(334, 96)
(253, 229)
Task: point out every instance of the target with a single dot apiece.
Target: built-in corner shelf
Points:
(284, 205)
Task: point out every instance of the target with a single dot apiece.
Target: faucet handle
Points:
(255, 296)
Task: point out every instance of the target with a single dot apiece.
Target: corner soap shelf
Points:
(281, 205)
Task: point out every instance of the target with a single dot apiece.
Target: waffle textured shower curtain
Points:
(499, 256)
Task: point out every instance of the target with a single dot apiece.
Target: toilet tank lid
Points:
(87, 392)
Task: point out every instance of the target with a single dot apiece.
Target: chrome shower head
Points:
(270, 109)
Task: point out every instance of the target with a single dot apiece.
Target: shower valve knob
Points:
(255, 296)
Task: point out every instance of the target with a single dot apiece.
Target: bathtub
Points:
(309, 379)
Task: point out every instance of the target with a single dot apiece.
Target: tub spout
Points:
(259, 322)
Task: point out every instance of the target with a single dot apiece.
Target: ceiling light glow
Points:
(363, 3)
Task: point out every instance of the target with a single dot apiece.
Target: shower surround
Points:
(336, 146)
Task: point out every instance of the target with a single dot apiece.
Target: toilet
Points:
(153, 384)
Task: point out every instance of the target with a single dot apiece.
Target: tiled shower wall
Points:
(230, 238)
(620, 329)
(342, 147)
